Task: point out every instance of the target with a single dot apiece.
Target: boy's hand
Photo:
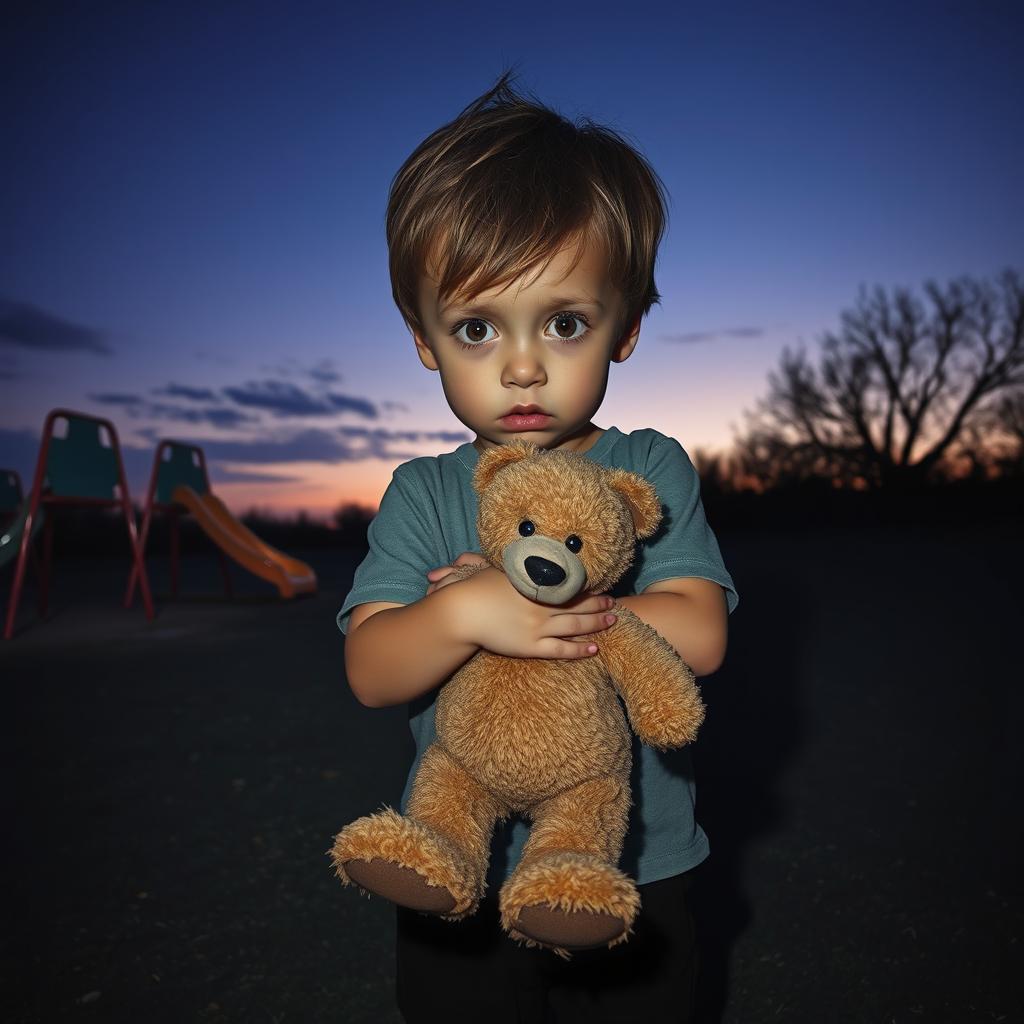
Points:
(442, 576)
(493, 615)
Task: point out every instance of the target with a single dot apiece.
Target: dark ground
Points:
(173, 787)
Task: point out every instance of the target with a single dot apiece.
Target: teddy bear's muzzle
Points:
(543, 569)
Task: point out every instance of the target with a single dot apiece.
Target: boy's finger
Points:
(578, 625)
(569, 649)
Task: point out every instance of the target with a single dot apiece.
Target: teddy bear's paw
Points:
(406, 862)
(400, 885)
(569, 901)
(671, 722)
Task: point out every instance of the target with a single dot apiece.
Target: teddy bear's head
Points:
(557, 523)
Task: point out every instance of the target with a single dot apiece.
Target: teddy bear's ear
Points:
(497, 458)
(641, 498)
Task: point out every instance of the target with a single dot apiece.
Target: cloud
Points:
(344, 444)
(279, 398)
(376, 441)
(6, 374)
(306, 446)
(415, 436)
(345, 403)
(395, 407)
(325, 373)
(729, 332)
(217, 416)
(30, 327)
(138, 407)
(184, 391)
(117, 398)
(284, 399)
(219, 475)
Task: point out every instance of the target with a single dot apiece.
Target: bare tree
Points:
(1009, 415)
(714, 470)
(352, 520)
(895, 390)
(993, 445)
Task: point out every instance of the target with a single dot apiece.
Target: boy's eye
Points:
(565, 330)
(564, 321)
(475, 332)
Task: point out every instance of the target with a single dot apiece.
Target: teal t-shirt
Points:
(427, 518)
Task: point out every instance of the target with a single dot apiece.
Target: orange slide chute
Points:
(289, 575)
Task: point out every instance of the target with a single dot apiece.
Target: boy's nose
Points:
(543, 572)
(524, 369)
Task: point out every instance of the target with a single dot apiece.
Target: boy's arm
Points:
(394, 652)
(691, 614)
(398, 652)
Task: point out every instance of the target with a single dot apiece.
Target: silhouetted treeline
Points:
(906, 393)
(819, 503)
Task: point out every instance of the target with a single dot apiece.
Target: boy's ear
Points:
(497, 458)
(623, 348)
(424, 351)
(641, 498)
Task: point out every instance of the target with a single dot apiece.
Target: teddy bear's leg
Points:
(435, 858)
(566, 892)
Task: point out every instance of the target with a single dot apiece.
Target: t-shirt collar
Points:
(468, 456)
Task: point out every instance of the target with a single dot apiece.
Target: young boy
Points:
(521, 254)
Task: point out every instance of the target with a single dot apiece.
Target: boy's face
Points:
(505, 348)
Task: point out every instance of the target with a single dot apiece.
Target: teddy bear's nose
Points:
(544, 572)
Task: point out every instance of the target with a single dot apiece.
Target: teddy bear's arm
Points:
(657, 686)
(463, 572)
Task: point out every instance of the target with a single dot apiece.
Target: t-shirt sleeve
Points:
(684, 544)
(402, 551)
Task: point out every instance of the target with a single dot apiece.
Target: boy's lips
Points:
(525, 417)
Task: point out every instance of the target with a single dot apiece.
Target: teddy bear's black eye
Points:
(573, 543)
(526, 528)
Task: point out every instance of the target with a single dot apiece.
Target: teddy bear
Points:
(546, 739)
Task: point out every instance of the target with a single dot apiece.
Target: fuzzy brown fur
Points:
(542, 738)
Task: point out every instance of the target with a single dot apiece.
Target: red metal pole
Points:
(47, 574)
(147, 515)
(136, 554)
(33, 509)
(129, 518)
(175, 560)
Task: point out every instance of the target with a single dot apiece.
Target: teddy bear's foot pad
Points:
(579, 929)
(400, 885)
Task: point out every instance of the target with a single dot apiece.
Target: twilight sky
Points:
(193, 199)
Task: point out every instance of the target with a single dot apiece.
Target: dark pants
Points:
(470, 970)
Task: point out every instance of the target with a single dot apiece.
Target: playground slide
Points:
(10, 535)
(289, 575)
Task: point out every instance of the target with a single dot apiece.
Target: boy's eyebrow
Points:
(554, 304)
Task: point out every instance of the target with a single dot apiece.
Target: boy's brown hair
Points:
(505, 186)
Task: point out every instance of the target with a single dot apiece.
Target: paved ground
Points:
(172, 788)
